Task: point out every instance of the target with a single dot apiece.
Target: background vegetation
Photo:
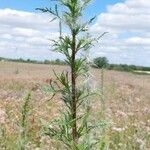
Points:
(109, 66)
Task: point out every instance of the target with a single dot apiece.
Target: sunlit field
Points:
(142, 72)
(127, 103)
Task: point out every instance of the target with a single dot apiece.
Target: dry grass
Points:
(127, 99)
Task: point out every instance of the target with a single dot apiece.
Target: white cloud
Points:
(26, 34)
(22, 19)
(128, 24)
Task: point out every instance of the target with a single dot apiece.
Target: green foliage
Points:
(128, 68)
(101, 62)
(16, 71)
(25, 111)
(55, 62)
(120, 67)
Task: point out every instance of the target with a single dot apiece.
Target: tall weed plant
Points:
(74, 128)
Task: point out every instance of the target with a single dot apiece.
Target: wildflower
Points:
(50, 126)
(141, 143)
(2, 116)
(148, 129)
(118, 129)
(120, 144)
(138, 100)
(142, 123)
(131, 114)
(134, 124)
(120, 114)
(146, 110)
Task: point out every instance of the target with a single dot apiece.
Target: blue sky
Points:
(25, 32)
(29, 5)
(95, 8)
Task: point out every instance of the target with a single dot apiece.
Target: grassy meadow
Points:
(127, 107)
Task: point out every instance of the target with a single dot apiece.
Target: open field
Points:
(142, 72)
(127, 100)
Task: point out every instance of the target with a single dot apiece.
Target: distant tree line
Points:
(21, 60)
(102, 62)
(124, 67)
(57, 61)
(99, 62)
